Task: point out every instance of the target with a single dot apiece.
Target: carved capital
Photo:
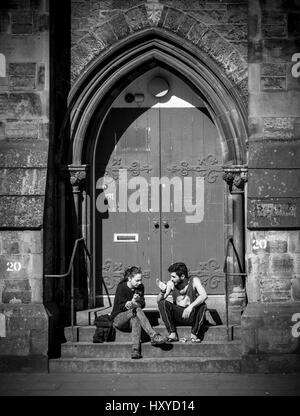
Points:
(78, 175)
(236, 177)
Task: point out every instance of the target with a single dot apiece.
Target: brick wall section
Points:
(24, 112)
(24, 135)
(217, 29)
(274, 150)
(274, 266)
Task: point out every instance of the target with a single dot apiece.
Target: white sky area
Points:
(180, 95)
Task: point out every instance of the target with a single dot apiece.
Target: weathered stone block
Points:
(120, 26)
(40, 83)
(296, 289)
(90, 47)
(38, 340)
(20, 105)
(293, 24)
(22, 23)
(270, 154)
(41, 23)
(253, 288)
(22, 83)
(282, 127)
(273, 70)
(22, 69)
(124, 4)
(280, 50)
(276, 213)
(274, 183)
(210, 17)
(22, 296)
(271, 31)
(196, 33)
(232, 32)
(26, 336)
(186, 25)
(274, 18)
(137, 18)
(277, 246)
(173, 19)
(80, 9)
(294, 242)
(4, 22)
(22, 211)
(274, 340)
(273, 83)
(21, 242)
(282, 264)
(22, 129)
(255, 51)
(22, 182)
(32, 153)
(237, 13)
(16, 285)
(105, 34)
(17, 344)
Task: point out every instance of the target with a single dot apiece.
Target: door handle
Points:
(166, 224)
(156, 224)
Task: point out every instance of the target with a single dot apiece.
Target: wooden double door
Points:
(159, 193)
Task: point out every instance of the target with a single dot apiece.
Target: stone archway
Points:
(103, 80)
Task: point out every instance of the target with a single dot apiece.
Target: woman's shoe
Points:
(195, 340)
(135, 355)
(157, 339)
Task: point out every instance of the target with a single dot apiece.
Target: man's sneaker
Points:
(157, 339)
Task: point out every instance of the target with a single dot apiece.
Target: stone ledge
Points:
(29, 364)
(271, 363)
(25, 345)
(269, 330)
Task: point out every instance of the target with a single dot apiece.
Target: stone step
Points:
(146, 365)
(215, 313)
(212, 333)
(176, 349)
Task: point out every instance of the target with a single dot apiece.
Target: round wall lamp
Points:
(158, 87)
(129, 98)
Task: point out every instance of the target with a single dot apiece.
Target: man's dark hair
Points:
(130, 272)
(179, 269)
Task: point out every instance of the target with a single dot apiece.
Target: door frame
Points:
(94, 92)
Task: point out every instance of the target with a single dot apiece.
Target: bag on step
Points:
(105, 331)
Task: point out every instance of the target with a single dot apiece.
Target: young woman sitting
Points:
(127, 310)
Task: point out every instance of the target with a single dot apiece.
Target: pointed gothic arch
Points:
(103, 80)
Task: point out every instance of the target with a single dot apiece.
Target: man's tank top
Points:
(182, 296)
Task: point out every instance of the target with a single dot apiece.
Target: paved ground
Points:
(161, 385)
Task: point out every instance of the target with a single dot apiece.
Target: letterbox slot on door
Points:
(126, 238)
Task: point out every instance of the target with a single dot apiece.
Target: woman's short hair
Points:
(131, 271)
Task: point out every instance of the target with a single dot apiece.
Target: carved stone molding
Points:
(207, 168)
(135, 169)
(113, 273)
(236, 177)
(210, 274)
(78, 175)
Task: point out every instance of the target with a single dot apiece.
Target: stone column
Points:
(236, 177)
(78, 176)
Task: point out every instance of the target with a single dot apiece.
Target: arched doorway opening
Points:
(214, 122)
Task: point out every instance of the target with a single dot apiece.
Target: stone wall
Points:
(218, 29)
(274, 145)
(24, 136)
(273, 210)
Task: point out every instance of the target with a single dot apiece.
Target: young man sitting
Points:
(188, 307)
